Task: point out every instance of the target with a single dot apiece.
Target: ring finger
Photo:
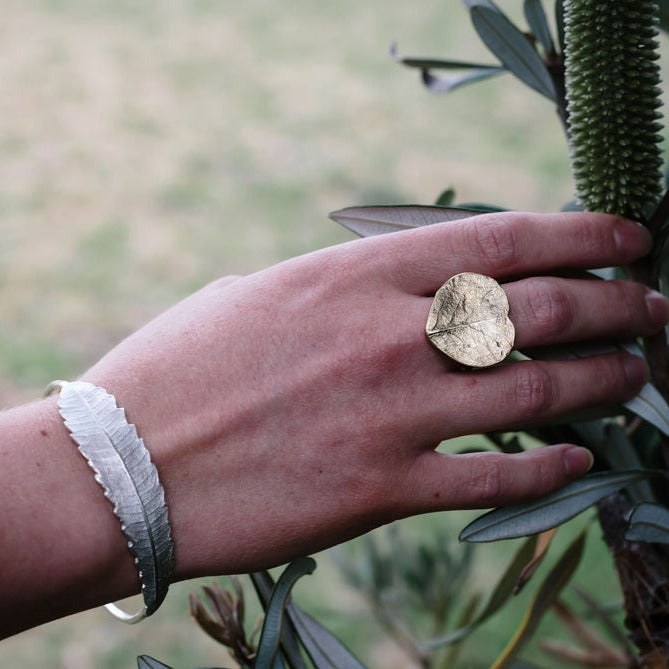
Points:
(551, 310)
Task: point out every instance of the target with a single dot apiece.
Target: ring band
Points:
(469, 320)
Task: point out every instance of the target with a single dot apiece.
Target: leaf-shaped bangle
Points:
(124, 470)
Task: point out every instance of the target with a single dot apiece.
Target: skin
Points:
(300, 406)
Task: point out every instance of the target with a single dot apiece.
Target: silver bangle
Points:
(124, 470)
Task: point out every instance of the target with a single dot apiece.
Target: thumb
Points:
(440, 481)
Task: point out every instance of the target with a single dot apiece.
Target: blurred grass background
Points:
(149, 147)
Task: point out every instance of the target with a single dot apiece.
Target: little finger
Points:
(439, 481)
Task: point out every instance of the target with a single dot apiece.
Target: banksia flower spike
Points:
(613, 97)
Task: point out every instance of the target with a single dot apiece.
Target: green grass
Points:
(149, 147)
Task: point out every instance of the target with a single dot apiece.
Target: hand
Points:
(299, 406)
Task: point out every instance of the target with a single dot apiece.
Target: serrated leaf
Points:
(369, 221)
(549, 591)
(502, 592)
(325, 650)
(146, 662)
(649, 523)
(539, 515)
(512, 48)
(536, 19)
(270, 636)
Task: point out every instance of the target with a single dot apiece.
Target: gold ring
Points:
(469, 320)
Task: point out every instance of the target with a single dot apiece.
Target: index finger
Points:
(510, 244)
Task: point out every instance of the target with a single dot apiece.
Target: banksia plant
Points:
(600, 72)
(612, 78)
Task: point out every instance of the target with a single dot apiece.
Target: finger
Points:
(523, 393)
(507, 245)
(547, 310)
(443, 481)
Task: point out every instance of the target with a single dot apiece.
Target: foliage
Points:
(287, 631)
(607, 101)
(417, 590)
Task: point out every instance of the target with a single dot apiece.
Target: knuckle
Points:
(551, 309)
(595, 236)
(628, 298)
(546, 475)
(486, 480)
(613, 379)
(533, 391)
(494, 240)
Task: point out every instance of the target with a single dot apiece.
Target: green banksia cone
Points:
(612, 79)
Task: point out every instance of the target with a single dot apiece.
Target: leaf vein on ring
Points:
(469, 324)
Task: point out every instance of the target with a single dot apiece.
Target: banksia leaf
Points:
(613, 97)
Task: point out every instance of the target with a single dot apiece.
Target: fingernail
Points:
(578, 460)
(632, 237)
(658, 307)
(636, 370)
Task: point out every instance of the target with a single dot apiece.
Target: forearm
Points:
(62, 547)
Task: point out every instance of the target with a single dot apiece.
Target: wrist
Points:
(69, 551)
(170, 443)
